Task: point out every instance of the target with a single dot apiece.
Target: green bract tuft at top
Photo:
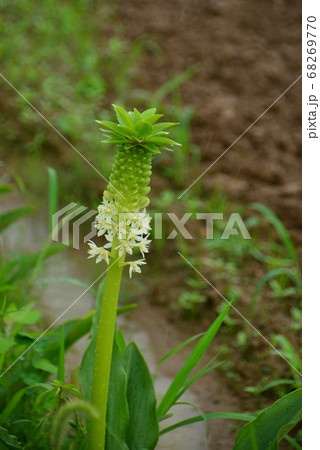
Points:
(138, 130)
(137, 136)
(122, 217)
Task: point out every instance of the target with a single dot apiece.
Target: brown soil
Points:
(248, 54)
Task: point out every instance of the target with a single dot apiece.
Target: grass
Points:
(57, 59)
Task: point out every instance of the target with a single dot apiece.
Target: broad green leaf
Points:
(143, 128)
(159, 140)
(148, 112)
(152, 148)
(117, 403)
(272, 424)
(110, 140)
(142, 431)
(127, 131)
(137, 115)
(117, 129)
(120, 341)
(9, 440)
(77, 328)
(159, 127)
(9, 217)
(5, 344)
(117, 409)
(14, 401)
(86, 367)
(122, 116)
(153, 118)
(44, 364)
(24, 316)
(195, 356)
(110, 125)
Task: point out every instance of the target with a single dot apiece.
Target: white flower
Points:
(143, 244)
(109, 238)
(124, 247)
(100, 253)
(134, 266)
(144, 222)
(130, 229)
(120, 229)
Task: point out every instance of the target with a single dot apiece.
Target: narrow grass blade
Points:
(279, 227)
(203, 371)
(205, 419)
(19, 268)
(293, 442)
(269, 276)
(178, 347)
(257, 390)
(53, 194)
(61, 371)
(6, 413)
(4, 188)
(173, 84)
(9, 217)
(70, 280)
(190, 363)
(214, 415)
(124, 309)
(288, 351)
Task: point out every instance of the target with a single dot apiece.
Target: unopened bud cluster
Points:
(122, 217)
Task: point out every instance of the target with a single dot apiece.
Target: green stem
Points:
(103, 354)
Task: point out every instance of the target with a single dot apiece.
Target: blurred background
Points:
(214, 66)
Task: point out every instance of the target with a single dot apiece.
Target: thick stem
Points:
(103, 354)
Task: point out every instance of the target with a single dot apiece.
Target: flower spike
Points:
(122, 217)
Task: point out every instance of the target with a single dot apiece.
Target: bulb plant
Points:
(123, 221)
(126, 414)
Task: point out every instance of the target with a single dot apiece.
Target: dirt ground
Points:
(248, 54)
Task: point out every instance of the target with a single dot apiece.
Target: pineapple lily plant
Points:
(117, 401)
(123, 221)
(116, 381)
